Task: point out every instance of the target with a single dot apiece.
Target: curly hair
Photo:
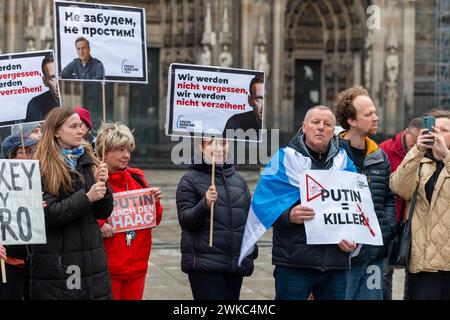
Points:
(344, 105)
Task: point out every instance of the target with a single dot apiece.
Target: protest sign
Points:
(343, 208)
(113, 44)
(133, 210)
(207, 100)
(28, 87)
(21, 211)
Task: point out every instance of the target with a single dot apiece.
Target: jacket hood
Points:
(371, 145)
(298, 144)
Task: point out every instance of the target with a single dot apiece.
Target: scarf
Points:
(71, 156)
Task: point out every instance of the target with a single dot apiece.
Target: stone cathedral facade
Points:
(310, 50)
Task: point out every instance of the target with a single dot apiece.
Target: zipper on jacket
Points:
(231, 216)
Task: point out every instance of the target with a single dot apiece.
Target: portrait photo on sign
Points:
(100, 42)
(214, 101)
(28, 87)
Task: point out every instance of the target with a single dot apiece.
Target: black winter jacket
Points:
(73, 241)
(230, 215)
(377, 168)
(289, 239)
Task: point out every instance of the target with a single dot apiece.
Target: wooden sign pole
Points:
(213, 173)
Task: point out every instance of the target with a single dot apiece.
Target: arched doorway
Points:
(323, 53)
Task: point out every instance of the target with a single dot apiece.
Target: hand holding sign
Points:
(347, 246)
(101, 173)
(2, 252)
(96, 192)
(299, 214)
(156, 193)
(211, 196)
(107, 230)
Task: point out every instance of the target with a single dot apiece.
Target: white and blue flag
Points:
(277, 190)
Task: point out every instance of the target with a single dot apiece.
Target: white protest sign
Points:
(206, 100)
(343, 208)
(24, 95)
(21, 212)
(116, 42)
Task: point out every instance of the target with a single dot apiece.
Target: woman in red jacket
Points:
(128, 252)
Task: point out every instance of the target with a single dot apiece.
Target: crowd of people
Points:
(78, 186)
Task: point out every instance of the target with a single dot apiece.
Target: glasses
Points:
(26, 151)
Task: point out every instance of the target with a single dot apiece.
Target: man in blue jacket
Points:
(300, 268)
(85, 66)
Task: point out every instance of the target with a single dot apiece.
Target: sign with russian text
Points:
(343, 208)
(133, 210)
(28, 87)
(97, 42)
(21, 211)
(215, 101)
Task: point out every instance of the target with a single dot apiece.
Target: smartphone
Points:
(428, 123)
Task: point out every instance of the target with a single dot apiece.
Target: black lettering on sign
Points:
(29, 174)
(5, 221)
(2, 177)
(20, 212)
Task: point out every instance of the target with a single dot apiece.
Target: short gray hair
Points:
(114, 135)
(320, 107)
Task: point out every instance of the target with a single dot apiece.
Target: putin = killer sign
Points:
(133, 210)
(343, 208)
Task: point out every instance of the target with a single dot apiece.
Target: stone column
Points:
(246, 35)
(378, 59)
(408, 57)
(2, 26)
(10, 31)
(121, 94)
(277, 63)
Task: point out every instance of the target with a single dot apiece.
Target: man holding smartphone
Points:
(428, 165)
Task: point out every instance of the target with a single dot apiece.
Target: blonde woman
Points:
(128, 252)
(72, 264)
(427, 166)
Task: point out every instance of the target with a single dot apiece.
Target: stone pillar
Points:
(2, 26)
(10, 31)
(277, 63)
(408, 58)
(378, 59)
(121, 94)
(246, 35)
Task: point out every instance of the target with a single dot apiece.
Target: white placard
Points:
(24, 96)
(117, 41)
(21, 211)
(204, 100)
(343, 208)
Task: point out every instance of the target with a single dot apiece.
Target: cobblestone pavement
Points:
(166, 281)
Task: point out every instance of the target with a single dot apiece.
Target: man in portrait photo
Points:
(250, 119)
(85, 66)
(39, 106)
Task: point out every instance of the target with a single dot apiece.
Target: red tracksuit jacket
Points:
(128, 262)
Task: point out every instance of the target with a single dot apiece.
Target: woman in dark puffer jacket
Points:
(213, 272)
(72, 264)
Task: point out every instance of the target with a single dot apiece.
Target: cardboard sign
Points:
(133, 210)
(100, 42)
(26, 93)
(215, 101)
(21, 212)
(343, 208)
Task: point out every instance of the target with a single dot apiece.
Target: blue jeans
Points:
(299, 283)
(365, 281)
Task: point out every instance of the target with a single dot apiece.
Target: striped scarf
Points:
(71, 156)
